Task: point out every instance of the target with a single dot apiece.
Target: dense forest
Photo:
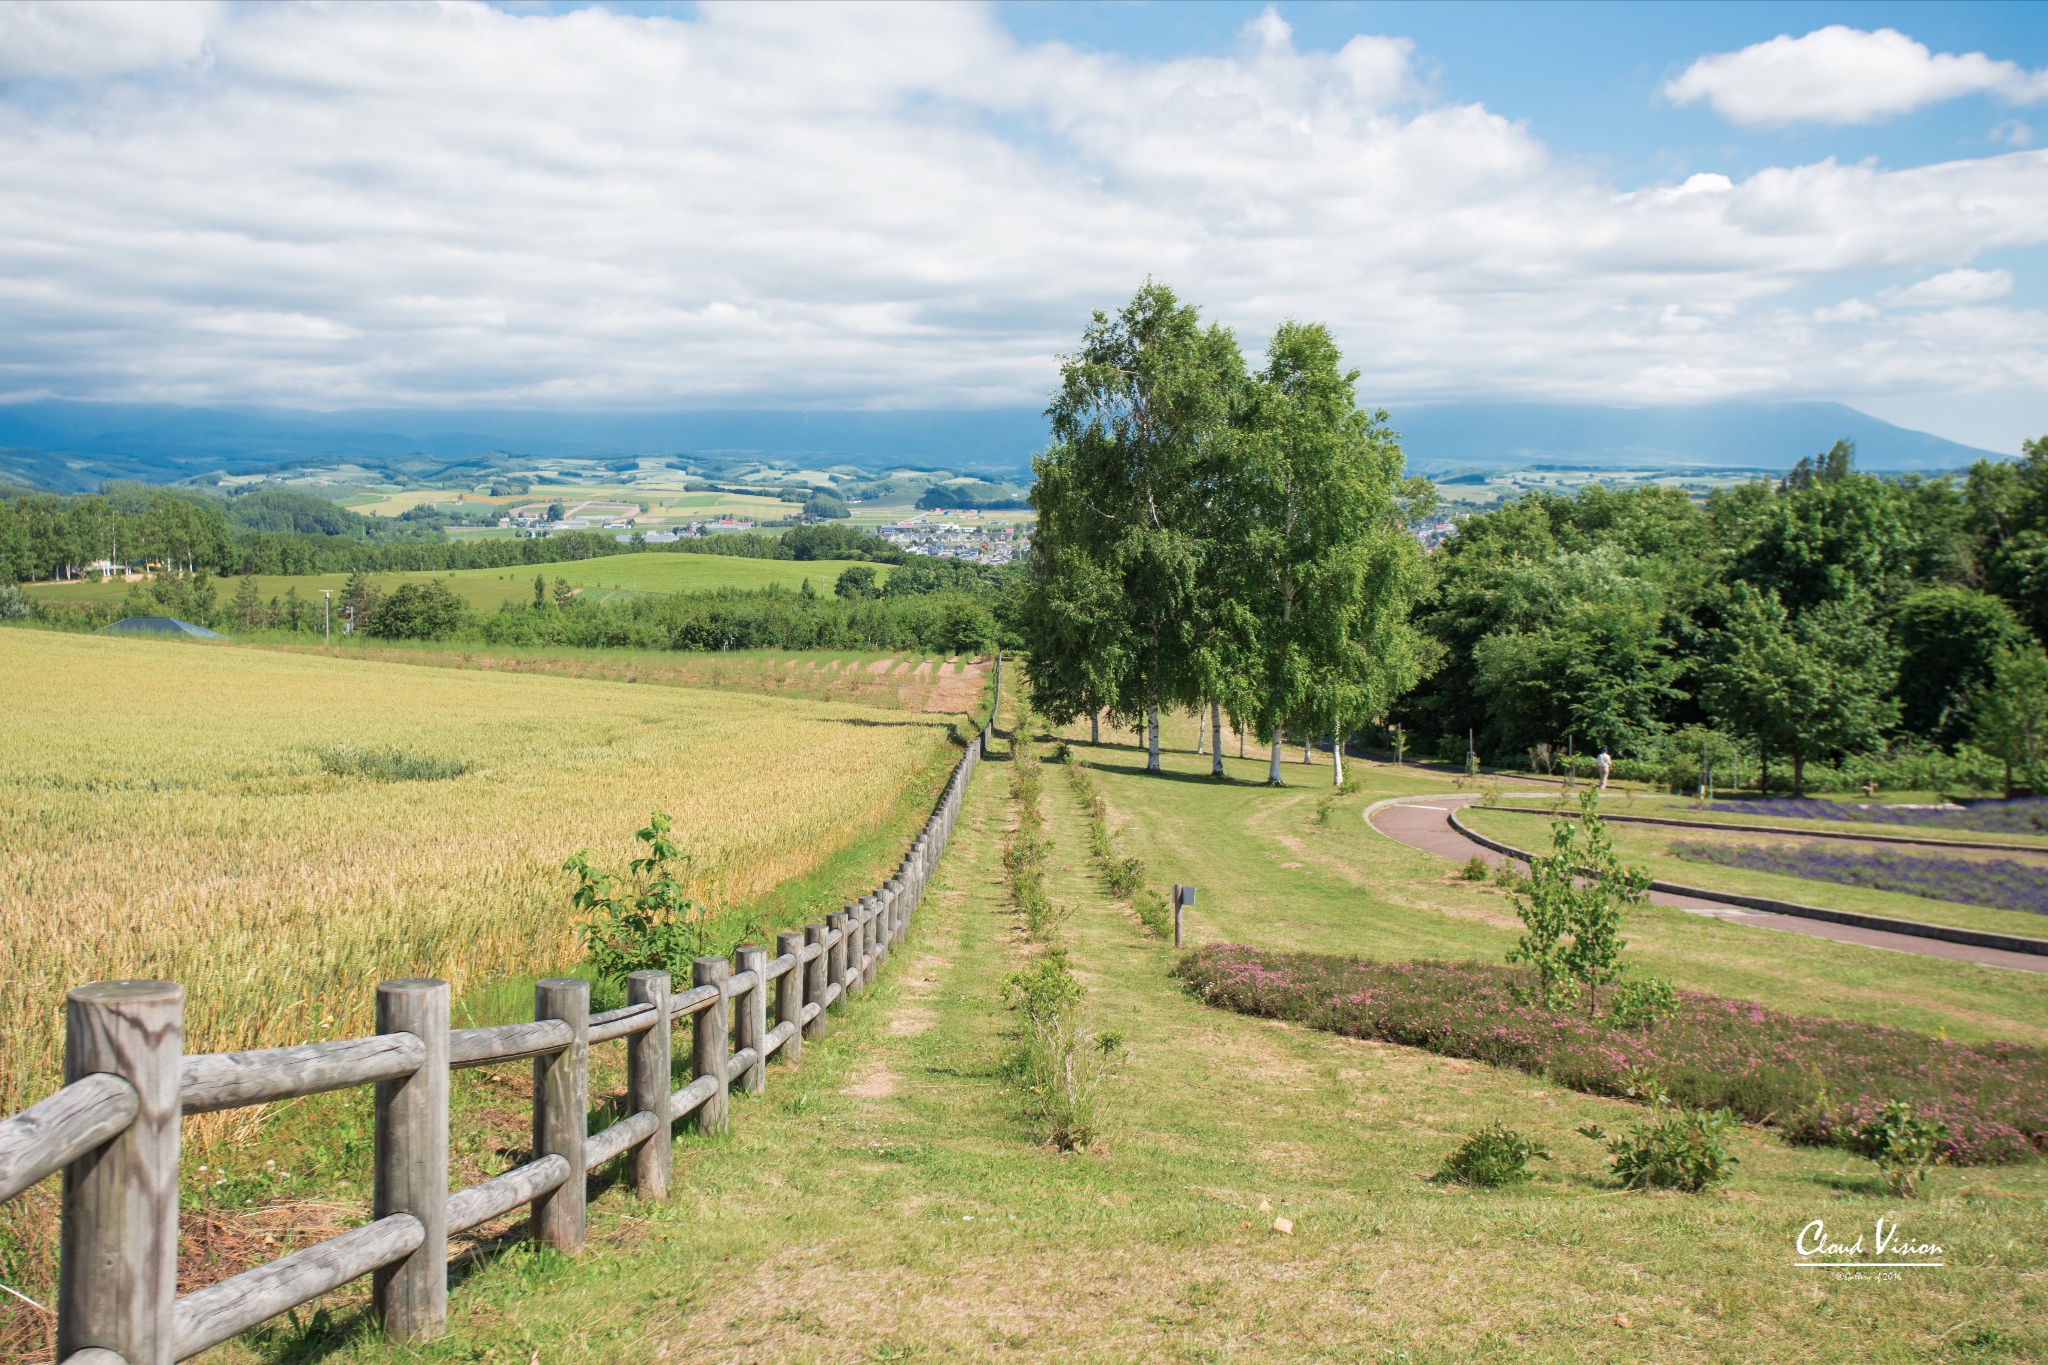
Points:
(1827, 616)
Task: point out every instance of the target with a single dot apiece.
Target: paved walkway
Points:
(1425, 823)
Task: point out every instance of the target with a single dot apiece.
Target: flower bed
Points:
(1815, 1079)
(2027, 816)
(2001, 883)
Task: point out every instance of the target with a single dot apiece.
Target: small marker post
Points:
(1183, 896)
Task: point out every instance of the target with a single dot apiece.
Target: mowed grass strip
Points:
(654, 572)
(169, 810)
(886, 1201)
(1272, 875)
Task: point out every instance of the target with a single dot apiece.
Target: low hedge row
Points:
(1815, 1079)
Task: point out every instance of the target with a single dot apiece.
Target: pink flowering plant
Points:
(1820, 1081)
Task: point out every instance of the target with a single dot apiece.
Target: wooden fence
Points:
(113, 1129)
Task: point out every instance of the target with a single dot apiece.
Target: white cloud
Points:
(905, 206)
(1844, 75)
(74, 40)
(1950, 289)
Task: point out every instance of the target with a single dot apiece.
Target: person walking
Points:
(1605, 764)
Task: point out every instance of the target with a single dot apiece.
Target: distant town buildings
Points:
(941, 540)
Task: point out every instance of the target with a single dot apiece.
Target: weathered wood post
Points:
(1183, 897)
(898, 904)
(870, 946)
(708, 1043)
(561, 1108)
(789, 994)
(647, 1083)
(410, 1140)
(117, 1276)
(814, 977)
(836, 956)
(750, 1014)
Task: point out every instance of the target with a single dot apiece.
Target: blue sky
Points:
(654, 206)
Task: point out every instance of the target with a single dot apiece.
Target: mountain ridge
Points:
(69, 445)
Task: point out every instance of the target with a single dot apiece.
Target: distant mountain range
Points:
(70, 446)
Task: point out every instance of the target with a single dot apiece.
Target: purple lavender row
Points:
(1999, 883)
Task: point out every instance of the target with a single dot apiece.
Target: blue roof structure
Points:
(161, 625)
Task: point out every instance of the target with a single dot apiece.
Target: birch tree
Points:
(1141, 425)
(1311, 500)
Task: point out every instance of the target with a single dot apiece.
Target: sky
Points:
(650, 207)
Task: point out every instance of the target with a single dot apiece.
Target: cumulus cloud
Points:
(1844, 75)
(903, 206)
(71, 40)
(1951, 288)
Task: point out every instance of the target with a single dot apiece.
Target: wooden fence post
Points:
(410, 1140)
(836, 958)
(898, 903)
(561, 1110)
(871, 957)
(814, 979)
(750, 1014)
(117, 1276)
(789, 994)
(648, 1083)
(708, 1043)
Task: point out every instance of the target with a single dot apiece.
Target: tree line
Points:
(47, 537)
(1218, 539)
(1826, 619)
(1236, 542)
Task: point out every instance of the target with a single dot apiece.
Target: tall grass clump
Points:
(1122, 873)
(389, 765)
(1060, 1065)
(1026, 853)
(184, 830)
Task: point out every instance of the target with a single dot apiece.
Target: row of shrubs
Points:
(1821, 1082)
(1058, 1066)
(1122, 873)
(1906, 767)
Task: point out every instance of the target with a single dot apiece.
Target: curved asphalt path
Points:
(1425, 823)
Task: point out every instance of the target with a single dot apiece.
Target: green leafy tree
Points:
(1570, 909)
(646, 920)
(1817, 685)
(856, 582)
(419, 611)
(1310, 490)
(1947, 638)
(1141, 430)
(2009, 716)
(563, 593)
(540, 592)
(248, 605)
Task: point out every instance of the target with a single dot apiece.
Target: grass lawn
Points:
(1684, 808)
(488, 589)
(886, 1202)
(666, 572)
(1649, 846)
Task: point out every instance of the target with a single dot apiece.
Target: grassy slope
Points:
(487, 589)
(1648, 845)
(884, 1202)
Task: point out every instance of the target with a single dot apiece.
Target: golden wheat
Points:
(164, 812)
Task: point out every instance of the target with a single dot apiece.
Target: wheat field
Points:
(168, 810)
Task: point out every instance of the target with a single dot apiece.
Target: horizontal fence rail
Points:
(113, 1129)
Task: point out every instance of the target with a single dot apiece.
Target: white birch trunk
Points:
(1273, 767)
(1198, 729)
(1337, 757)
(1216, 739)
(1152, 738)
